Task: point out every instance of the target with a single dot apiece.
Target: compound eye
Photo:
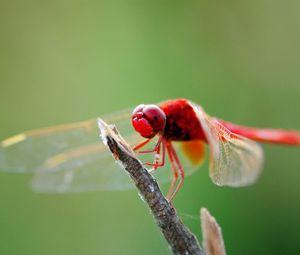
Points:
(155, 116)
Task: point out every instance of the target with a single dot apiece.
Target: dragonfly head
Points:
(148, 120)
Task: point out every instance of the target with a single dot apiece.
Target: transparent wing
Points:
(71, 158)
(92, 168)
(86, 169)
(27, 151)
(234, 160)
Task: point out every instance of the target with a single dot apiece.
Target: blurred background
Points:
(64, 61)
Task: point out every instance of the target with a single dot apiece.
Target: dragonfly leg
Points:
(140, 145)
(181, 172)
(156, 160)
(174, 169)
(158, 155)
(156, 148)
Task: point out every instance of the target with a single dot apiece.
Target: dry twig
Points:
(179, 237)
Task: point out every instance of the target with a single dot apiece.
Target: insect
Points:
(70, 158)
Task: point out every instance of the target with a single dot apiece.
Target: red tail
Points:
(279, 136)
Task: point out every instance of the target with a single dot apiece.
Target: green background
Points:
(64, 61)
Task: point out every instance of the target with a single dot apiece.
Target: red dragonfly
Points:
(70, 158)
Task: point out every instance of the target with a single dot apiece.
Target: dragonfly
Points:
(71, 158)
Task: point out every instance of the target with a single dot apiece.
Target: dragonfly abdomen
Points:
(267, 135)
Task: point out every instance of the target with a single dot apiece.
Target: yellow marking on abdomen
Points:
(13, 140)
(194, 150)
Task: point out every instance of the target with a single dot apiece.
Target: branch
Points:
(179, 237)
